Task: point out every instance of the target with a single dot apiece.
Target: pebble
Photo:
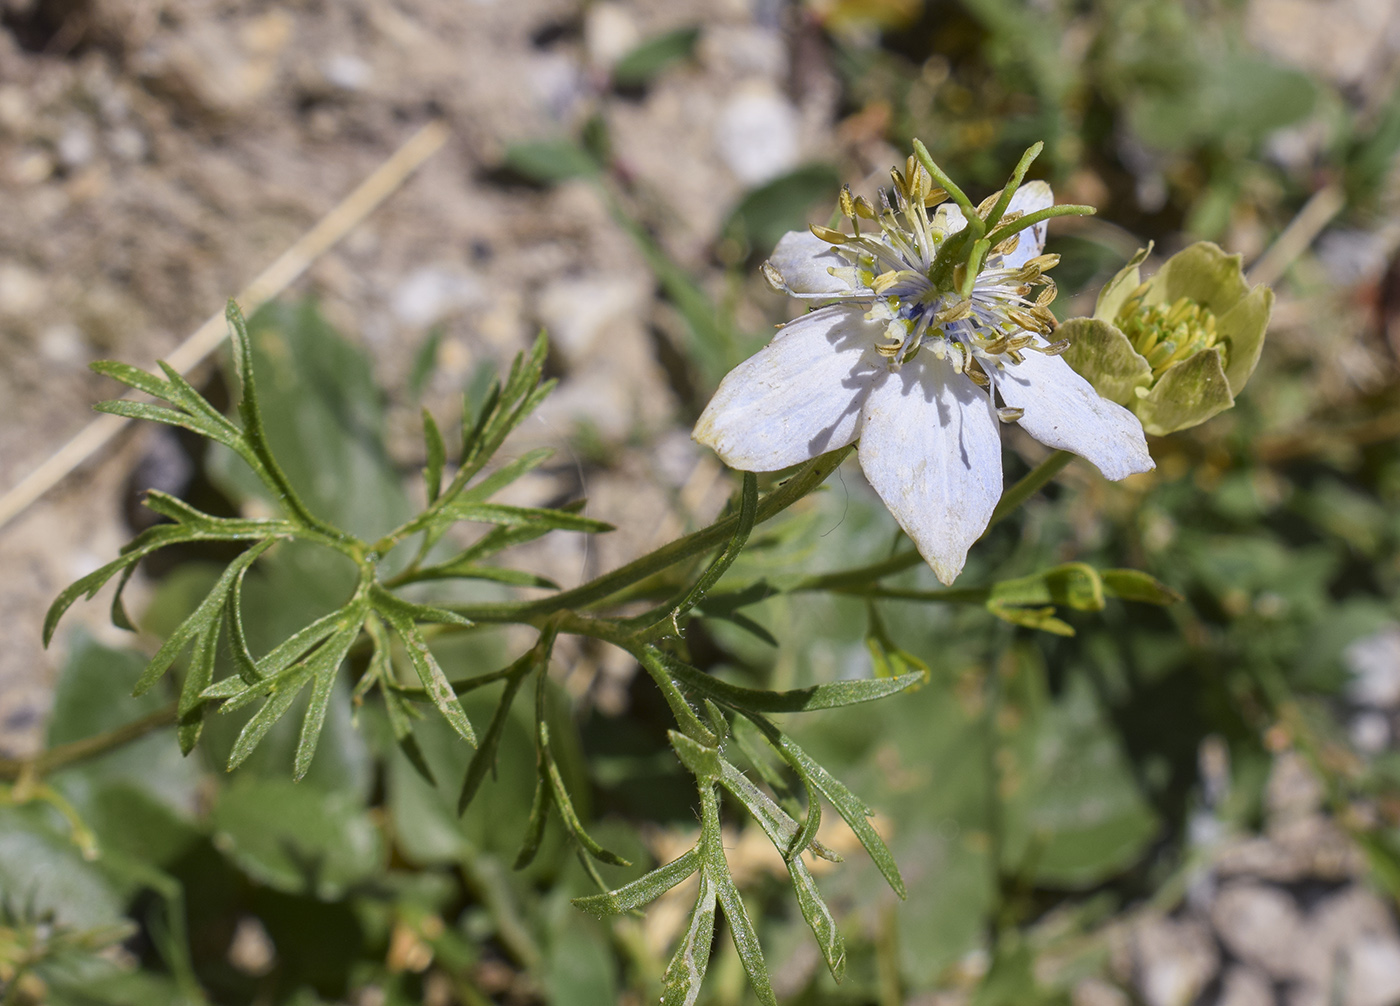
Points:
(1244, 986)
(434, 292)
(1374, 663)
(347, 72)
(608, 33)
(756, 134)
(1260, 925)
(1174, 961)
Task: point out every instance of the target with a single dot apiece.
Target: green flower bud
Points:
(1177, 348)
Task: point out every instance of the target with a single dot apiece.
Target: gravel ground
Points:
(156, 154)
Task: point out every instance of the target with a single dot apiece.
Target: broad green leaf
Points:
(44, 875)
(766, 213)
(645, 62)
(297, 838)
(643, 890)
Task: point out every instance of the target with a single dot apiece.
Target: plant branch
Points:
(55, 758)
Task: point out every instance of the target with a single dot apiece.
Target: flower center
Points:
(1165, 334)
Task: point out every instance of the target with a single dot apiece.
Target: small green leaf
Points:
(686, 971)
(702, 761)
(852, 810)
(1135, 585)
(643, 890)
(519, 516)
(284, 690)
(1041, 619)
(484, 759)
(390, 604)
(313, 721)
(429, 671)
(201, 672)
(507, 474)
(819, 917)
(780, 826)
(828, 696)
(548, 162)
(566, 808)
(534, 829)
(645, 62)
(437, 456)
(170, 417)
(716, 870)
(401, 715)
(886, 658)
(495, 574)
(132, 377)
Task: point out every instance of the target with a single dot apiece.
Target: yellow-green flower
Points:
(1177, 348)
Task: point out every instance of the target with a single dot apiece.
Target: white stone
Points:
(347, 72)
(434, 292)
(1173, 961)
(578, 311)
(1245, 987)
(1373, 972)
(1260, 925)
(1374, 662)
(757, 134)
(609, 33)
(63, 343)
(76, 146)
(1370, 731)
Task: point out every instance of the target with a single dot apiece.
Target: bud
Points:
(1177, 348)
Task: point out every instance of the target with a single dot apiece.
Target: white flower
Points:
(907, 365)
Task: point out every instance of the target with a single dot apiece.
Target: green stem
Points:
(63, 755)
(808, 477)
(849, 580)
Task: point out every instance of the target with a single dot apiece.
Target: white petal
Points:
(1027, 199)
(931, 448)
(1063, 410)
(799, 396)
(802, 259)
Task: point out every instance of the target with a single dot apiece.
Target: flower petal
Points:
(799, 396)
(1027, 199)
(931, 448)
(1063, 410)
(802, 259)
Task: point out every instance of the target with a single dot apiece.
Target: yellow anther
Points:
(934, 197)
(848, 204)
(1047, 295)
(828, 235)
(1009, 245)
(1010, 415)
(985, 206)
(864, 209)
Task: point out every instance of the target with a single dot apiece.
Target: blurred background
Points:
(1190, 806)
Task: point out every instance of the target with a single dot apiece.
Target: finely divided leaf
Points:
(852, 810)
(400, 616)
(828, 696)
(684, 975)
(641, 891)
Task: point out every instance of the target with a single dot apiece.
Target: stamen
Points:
(1010, 415)
(828, 235)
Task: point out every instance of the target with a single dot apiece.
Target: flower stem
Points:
(808, 477)
(64, 755)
